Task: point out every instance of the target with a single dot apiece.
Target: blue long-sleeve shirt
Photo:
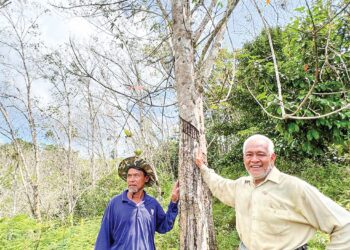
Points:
(126, 225)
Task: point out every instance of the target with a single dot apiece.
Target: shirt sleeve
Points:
(104, 239)
(326, 215)
(165, 221)
(222, 188)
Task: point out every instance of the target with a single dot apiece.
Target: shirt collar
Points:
(126, 199)
(274, 175)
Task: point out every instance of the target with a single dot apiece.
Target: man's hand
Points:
(199, 159)
(175, 194)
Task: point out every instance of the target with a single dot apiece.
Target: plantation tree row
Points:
(62, 132)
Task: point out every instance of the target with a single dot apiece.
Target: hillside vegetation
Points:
(23, 232)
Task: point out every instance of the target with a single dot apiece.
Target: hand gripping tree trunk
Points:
(196, 225)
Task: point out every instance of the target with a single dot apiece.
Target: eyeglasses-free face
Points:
(257, 160)
(136, 180)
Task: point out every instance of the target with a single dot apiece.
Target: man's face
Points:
(136, 180)
(257, 160)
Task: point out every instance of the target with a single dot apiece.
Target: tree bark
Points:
(196, 225)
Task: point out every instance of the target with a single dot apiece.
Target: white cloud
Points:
(79, 28)
(41, 90)
(53, 30)
(57, 30)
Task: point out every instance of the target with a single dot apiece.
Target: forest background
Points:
(72, 107)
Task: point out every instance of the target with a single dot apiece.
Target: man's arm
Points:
(326, 215)
(222, 188)
(165, 221)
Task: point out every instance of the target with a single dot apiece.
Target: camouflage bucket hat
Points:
(137, 163)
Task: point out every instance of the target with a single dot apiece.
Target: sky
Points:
(246, 23)
(56, 29)
(2, 140)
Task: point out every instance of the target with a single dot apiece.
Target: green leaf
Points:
(313, 134)
(214, 106)
(293, 127)
(309, 136)
(300, 9)
(138, 152)
(261, 96)
(127, 133)
(306, 146)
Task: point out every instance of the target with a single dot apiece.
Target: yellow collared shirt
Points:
(281, 213)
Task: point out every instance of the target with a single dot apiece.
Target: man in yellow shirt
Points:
(276, 211)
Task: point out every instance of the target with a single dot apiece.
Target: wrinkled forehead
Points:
(133, 169)
(257, 145)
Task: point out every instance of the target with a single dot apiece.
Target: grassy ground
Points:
(22, 232)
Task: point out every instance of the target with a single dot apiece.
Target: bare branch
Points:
(165, 15)
(90, 75)
(4, 3)
(217, 34)
(98, 5)
(198, 4)
(319, 116)
(204, 22)
(24, 176)
(278, 82)
(314, 37)
(262, 107)
(292, 117)
(326, 61)
(332, 93)
(331, 19)
(343, 63)
(233, 79)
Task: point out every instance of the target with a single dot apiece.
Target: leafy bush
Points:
(94, 201)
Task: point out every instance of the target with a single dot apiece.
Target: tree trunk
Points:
(33, 129)
(196, 225)
(70, 166)
(92, 117)
(14, 189)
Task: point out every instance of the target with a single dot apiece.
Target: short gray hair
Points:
(270, 145)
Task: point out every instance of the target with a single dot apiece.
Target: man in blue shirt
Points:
(132, 217)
